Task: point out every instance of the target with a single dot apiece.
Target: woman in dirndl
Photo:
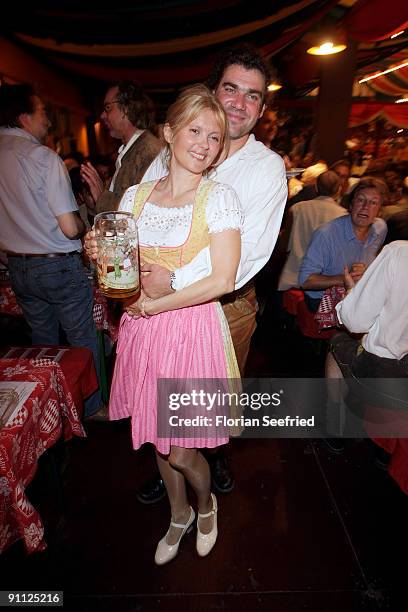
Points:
(182, 336)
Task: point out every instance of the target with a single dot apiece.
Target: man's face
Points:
(266, 128)
(112, 116)
(365, 207)
(36, 123)
(343, 172)
(240, 92)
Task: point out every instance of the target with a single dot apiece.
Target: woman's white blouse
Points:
(162, 226)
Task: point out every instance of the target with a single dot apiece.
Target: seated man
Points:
(305, 217)
(375, 307)
(352, 240)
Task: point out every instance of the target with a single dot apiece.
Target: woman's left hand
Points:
(136, 309)
(133, 310)
(131, 307)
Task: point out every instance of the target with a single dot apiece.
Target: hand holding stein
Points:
(114, 245)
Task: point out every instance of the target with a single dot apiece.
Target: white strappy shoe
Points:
(166, 552)
(205, 541)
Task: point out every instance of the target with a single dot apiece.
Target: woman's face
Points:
(196, 145)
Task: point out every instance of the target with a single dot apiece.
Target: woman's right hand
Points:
(91, 246)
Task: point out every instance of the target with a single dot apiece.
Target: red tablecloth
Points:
(326, 316)
(52, 410)
(8, 302)
(102, 314)
(378, 420)
(398, 465)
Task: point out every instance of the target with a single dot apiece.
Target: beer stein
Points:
(118, 257)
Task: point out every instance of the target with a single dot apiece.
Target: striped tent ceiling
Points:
(169, 43)
(394, 84)
(163, 42)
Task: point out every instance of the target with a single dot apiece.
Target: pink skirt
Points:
(189, 343)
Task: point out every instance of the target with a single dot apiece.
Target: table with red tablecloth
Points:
(63, 377)
(103, 317)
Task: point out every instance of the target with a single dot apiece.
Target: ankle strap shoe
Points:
(206, 541)
(166, 552)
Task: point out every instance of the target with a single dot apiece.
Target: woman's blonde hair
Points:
(190, 103)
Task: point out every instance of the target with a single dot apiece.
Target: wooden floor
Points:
(302, 530)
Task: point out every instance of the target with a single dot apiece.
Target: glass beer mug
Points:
(118, 257)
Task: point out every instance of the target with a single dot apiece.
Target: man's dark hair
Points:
(135, 104)
(77, 183)
(327, 183)
(340, 162)
(243, 55)
(15, 100)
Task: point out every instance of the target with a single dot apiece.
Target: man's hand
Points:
(357, 270)
(91, 177)
(155, 281)
(349, 281)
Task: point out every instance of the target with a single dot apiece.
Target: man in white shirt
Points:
(257, 174)
(302, 219)
(126, 114)
(377, 305)
(375, 367)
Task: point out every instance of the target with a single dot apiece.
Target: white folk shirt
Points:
(170, 227)
(378, 304)
(123, 149)
(258, 176)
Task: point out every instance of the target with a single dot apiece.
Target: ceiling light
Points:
(378, 74)
(401, 100)
(397, 34)
(274, 87)
(326, 48)
(400, 131)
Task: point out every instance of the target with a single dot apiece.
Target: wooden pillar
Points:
(90, 132)
(334, 102)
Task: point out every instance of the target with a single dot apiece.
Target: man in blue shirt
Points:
(351, 241)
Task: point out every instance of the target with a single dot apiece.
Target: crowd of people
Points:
(210, 197)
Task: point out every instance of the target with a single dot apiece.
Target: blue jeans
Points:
(54, 292)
